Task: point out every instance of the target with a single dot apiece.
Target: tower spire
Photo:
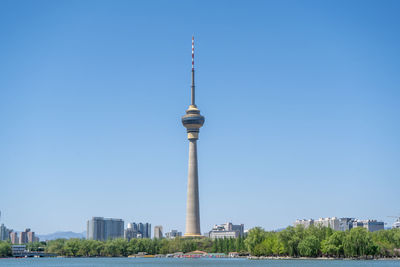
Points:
(193, 95)
(192, 52)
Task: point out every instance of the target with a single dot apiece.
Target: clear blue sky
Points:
(301, 100)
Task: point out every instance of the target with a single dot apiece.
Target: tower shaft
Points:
(192, 202)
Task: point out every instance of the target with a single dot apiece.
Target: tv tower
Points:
(192, 121)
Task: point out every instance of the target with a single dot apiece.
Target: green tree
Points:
(84, 248)
(254, 238)
(333, 245)
(320, 232)
(95, 248)
(5, 249)
(290, 238)
(72, 247)
(214, 246)
(309, 246)
(116, 247)
(271, 245)
(164, 246)
(387, 241)
(187, 245)
(277, 247)
(56, 246)
(358, 242)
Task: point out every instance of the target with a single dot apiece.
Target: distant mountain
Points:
(66, 235)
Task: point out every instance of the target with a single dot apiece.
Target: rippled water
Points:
(148, 262)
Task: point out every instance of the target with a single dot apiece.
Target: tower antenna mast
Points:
(193, 93)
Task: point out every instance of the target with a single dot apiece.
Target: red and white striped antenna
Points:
(193, 96)
(192, 52)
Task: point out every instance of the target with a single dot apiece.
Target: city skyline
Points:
(301, 100)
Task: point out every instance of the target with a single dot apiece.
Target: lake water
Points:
(146, 262)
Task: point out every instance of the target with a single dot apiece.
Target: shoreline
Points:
(227, 257)
(319, 258)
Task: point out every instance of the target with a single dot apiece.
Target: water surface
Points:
(154, 262)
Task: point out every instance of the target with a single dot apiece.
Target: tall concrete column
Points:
(192, 202)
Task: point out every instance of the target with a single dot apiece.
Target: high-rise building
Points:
(227, 230)
(140, 230)
(130, 233)
(95, 229)
(342, 224)
(173, 234)
(239, 228)
(193, 121)
(306, 223)
(370, 225)
(114, 228)
(132, 226)
(147, 228)
(333, 223)
(346, 224)
(4, 233)
(14, 238)
(99, 228)
(328, 222)
(27, 236)
(396, 224)
(23, 236)
(31, 237)
(144, 229)
(158, 231)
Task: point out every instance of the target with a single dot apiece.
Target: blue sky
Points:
(301, 100)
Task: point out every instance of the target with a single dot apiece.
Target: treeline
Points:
(121, 247)
(322, 241)
(292, 241)
(5, 249)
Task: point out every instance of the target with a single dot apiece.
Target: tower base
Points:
(192, 236)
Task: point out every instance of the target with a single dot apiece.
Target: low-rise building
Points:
(223, 234)
(227, 230)
(233, 254)
(18, 249)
